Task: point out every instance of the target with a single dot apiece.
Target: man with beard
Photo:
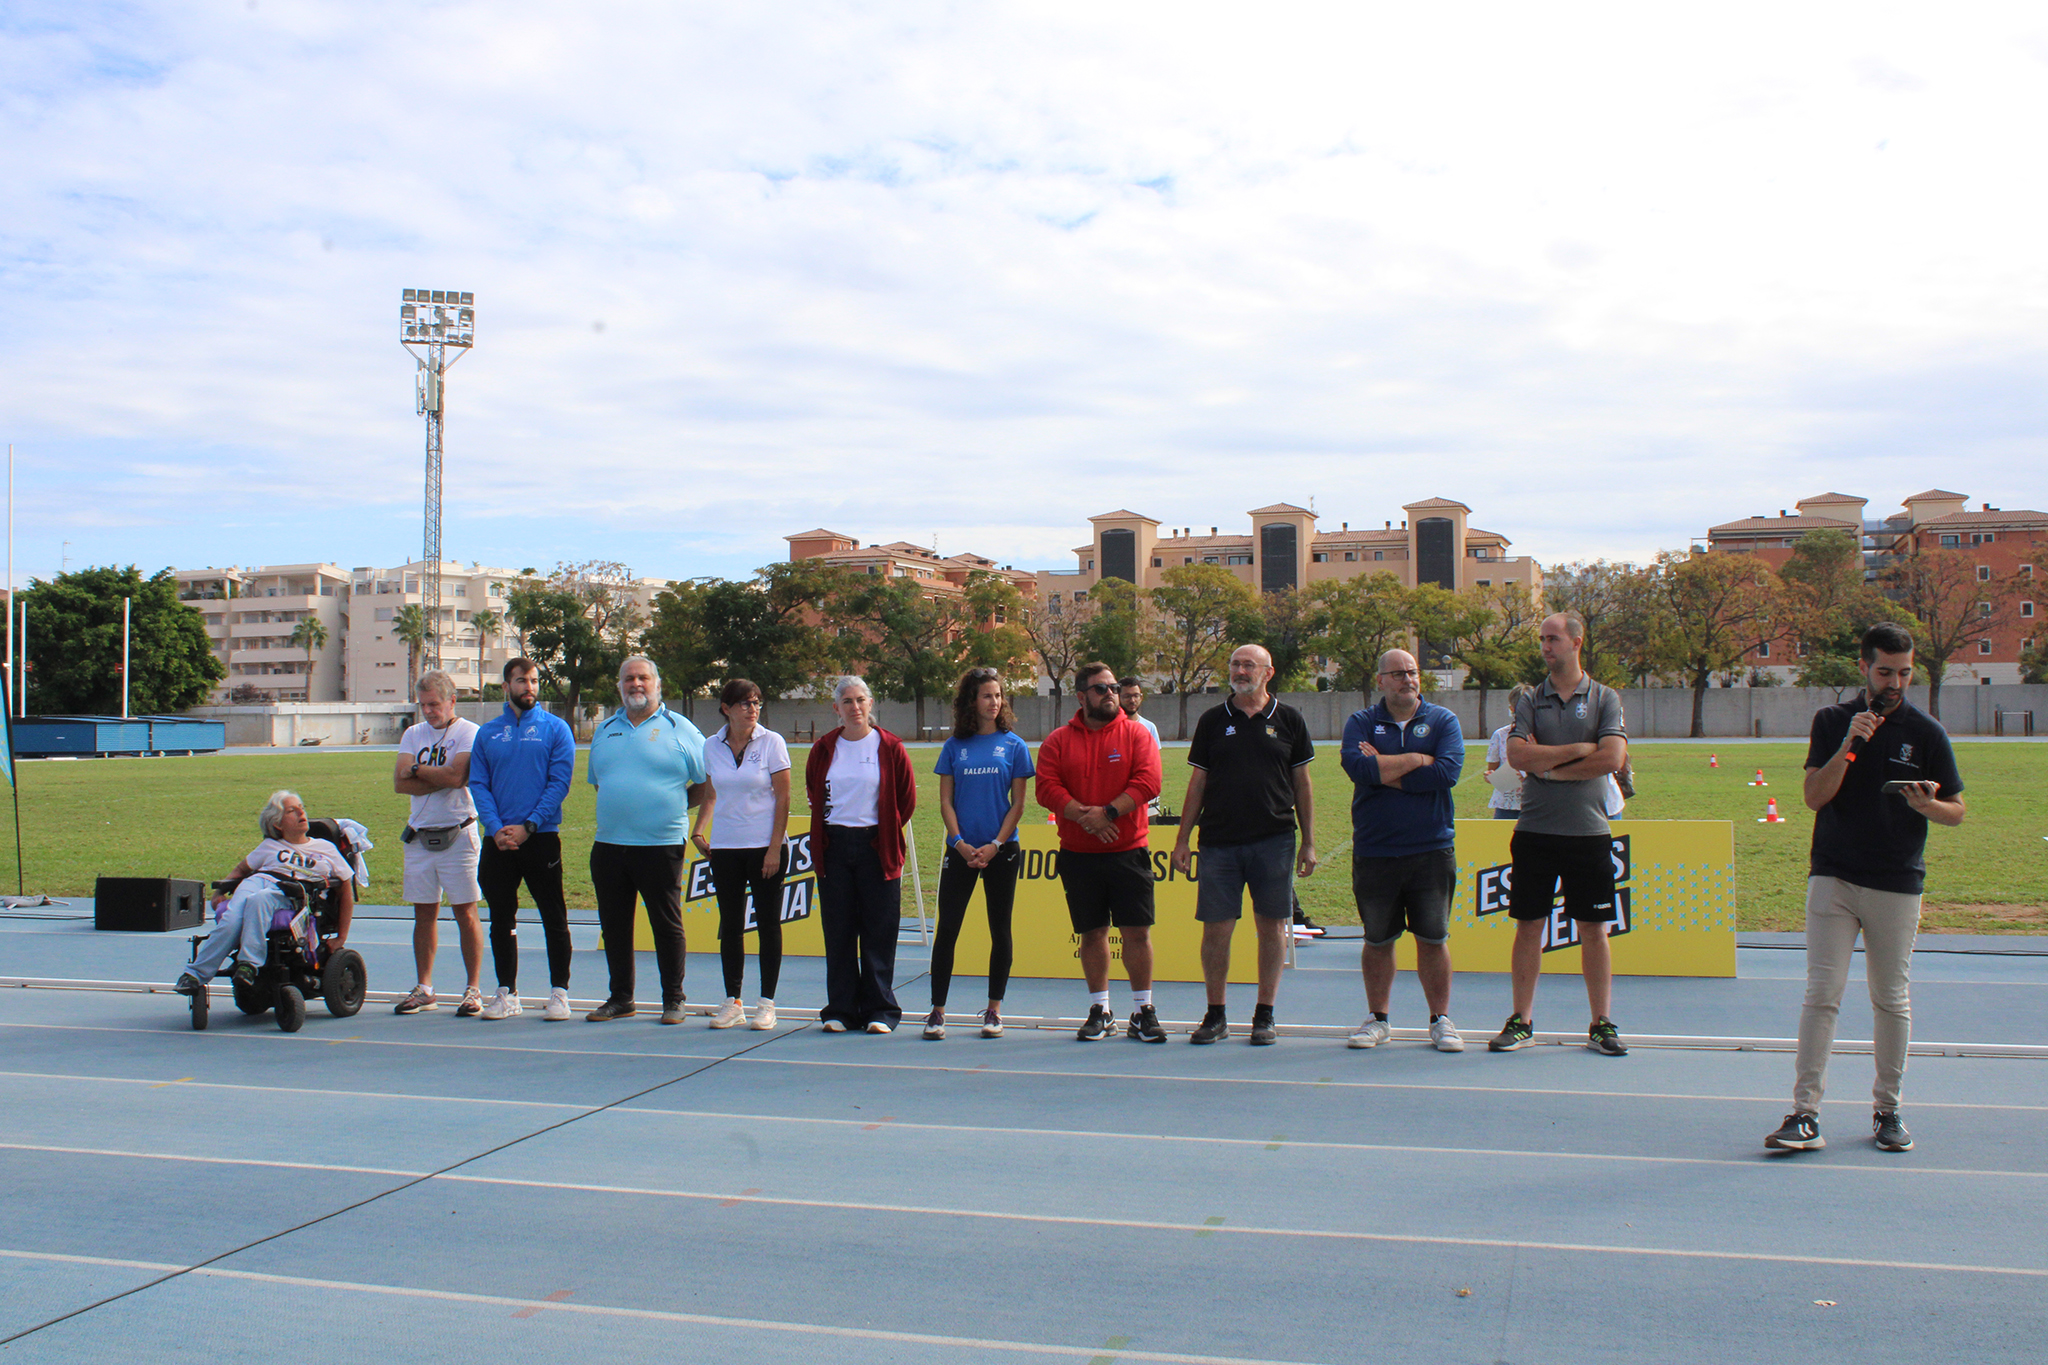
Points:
(1247, 783)
(1096, 774)
(647, 764)
(1877, 770)
(519, 773)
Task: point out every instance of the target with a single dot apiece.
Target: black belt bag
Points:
(435, 840)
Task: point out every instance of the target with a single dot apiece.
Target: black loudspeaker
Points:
(148, 905)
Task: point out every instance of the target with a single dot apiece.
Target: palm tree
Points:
(310, 636)
(487, 624)
(410, 625)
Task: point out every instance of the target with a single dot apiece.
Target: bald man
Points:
(1248, 786)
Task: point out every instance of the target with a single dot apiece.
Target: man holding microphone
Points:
(1877, 770)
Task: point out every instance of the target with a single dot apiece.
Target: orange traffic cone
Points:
(1713, 760)
(1759, 779)
(1770, 815)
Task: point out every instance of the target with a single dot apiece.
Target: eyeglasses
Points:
(754, 702)
(1101, 689)
(1400, 673)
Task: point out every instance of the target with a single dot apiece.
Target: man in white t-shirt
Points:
(441, 840)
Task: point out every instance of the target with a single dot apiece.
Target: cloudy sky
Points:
(972, 272)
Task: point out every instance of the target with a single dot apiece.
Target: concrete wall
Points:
(1653, 713)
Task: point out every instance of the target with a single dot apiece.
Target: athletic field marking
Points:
(298, 1090)
(553, 1304)
(209, 1160)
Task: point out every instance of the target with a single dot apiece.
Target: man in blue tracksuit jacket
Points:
(519, 774)
(1405, 755)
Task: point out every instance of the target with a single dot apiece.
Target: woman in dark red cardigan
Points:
(861, 792)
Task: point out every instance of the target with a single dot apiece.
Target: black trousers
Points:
(860, 912)
(735, 872)
(653, 873)
(538, 863)
(956, 888)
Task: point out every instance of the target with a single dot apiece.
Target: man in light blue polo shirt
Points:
(647, 764)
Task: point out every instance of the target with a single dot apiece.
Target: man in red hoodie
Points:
(1097, 774)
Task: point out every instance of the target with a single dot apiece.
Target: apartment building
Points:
(252, 616)
(2005, 547)
(939, 575)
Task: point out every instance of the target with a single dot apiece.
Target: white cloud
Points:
(1606, 274)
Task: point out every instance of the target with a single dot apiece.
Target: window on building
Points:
(1320, 557)
(1351, 556)
(1379, 554)
(1983, 608)
(1983, 646)
(387, 614)
(2027, 610)
(1763, 651)
(1479, 552)
(1237, 559)
(1983, 537)
(327, 590)
(1156, 564)
(1053, 605)
(462, 616)
(1983, 573)
(1951, 542)
(462, 589)
(2026, 571)
(1804, 649)
(1188, 560)
(497, 590)
(1091, 566)
(1208, 559)
(1486, 582)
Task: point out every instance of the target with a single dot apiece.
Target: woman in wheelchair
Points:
(286, 853)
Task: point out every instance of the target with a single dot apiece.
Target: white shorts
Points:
(450, 873)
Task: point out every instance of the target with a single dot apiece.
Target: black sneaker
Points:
(1263, 1032)
(1516, 1033)
(1888, 1133)
(245, 972)
(1798, 1133)
(188, 984)
(612, 1009)
(1213, 1028)
(1144, 1025)
(1605, 1038)
(1100, 1024)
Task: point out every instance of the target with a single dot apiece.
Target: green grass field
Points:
(194, 817)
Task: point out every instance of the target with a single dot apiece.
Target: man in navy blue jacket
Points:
(1405, 755)
(519, 774)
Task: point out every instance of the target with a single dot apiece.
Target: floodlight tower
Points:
(436, 319)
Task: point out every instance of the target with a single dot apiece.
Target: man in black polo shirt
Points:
(1248, 781)
(1877, 770)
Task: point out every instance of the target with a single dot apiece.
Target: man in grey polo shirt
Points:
(1568, 736)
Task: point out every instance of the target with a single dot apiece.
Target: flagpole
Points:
(11, 662)
(14, 787)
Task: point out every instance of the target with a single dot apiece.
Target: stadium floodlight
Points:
(435, 320)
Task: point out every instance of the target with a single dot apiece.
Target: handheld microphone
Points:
(1856, 741)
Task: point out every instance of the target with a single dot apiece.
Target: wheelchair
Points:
(298, 964)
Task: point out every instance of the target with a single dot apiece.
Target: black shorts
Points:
(1107, 888)
(1584, 863)
(1411, 894)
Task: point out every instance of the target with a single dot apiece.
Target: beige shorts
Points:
(449, 874)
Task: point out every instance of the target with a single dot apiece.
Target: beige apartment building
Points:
(250, 617)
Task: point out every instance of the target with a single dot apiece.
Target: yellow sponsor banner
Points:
(1674, 882)
(1674, 887)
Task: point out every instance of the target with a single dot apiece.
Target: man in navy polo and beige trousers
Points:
(647, 764)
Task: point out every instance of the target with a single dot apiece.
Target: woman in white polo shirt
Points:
(748, 815)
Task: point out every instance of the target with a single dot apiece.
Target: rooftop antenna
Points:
(435, 319)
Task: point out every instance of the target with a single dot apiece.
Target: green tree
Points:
(1952, 606)
(1115, 633)
(1830, 605)
(1292, 622)
(74, 644)
(310, 635)
(488, 624)
(1201, 612)
(775, 629)
(1057, 632)
(1603, 595)
(1711, 607)
(993, 634)
(410, 625)
(1368, 616)
(1491, 631)
(910, 647)
(563, 640)
(677, 642)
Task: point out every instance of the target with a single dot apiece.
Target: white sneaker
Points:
(503, 1005)
(731, 1014)
(1371, 1033)
(764, 1015)
(833, 1026)
(878, 1026)
(557, 1007)
(1444, 1034)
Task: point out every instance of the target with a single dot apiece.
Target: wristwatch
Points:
(414, 774)
(530, 828)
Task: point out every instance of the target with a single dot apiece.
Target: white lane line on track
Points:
(209, 1160)
(598, 1310)
(298, 1090)
(982, 1130)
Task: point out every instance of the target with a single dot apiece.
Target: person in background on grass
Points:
(1248, 785)
(862, 792)
(647, 763)
(1878, 769)
(1096, 774)
(747, 810)
(1405, 755)
(982, 773)
(1505, 797)
(287, 853)
(440, 840)
(1568, 736)
(519, 774)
